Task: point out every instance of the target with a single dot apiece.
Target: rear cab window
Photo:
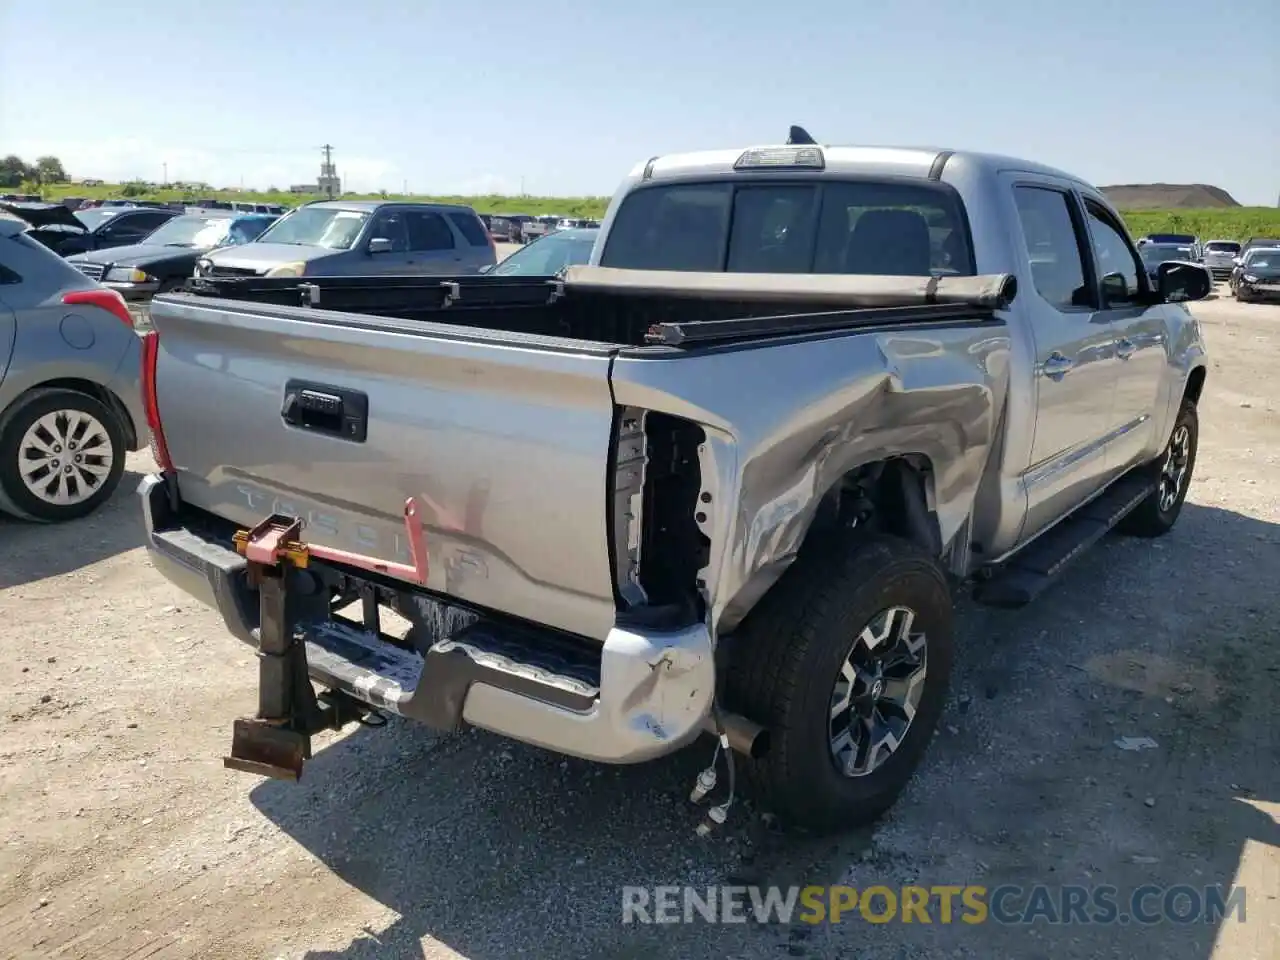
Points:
(895, 228)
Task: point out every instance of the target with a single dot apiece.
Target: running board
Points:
(1029, 572)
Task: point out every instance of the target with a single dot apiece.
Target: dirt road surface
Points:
(122, 836)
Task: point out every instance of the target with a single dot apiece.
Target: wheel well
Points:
(888, 496)
(103, 396)
(1195, 386)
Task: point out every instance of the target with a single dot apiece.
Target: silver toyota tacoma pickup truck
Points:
(725, 478)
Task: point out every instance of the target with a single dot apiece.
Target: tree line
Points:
(14, 171)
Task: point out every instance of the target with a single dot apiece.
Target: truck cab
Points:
(1098, 360)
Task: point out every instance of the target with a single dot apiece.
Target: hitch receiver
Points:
(276, 741)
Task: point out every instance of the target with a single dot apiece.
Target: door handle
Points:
(1056, 366)
(332, 411)
(1125, 348)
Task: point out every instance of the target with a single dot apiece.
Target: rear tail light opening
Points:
(150, 403)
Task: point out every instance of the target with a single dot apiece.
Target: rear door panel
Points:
(1075, 360)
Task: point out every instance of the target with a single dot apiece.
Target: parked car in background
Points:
(576, 223)
(1220, 257)
(70, 397)
(1181, 239)
(107, 227)
(244, 206)
(508, 227)
(166, 258)
(547, 256)
(1154, 254)
(360, 238)
(1253, 242)
(1258, 275)
(52, 224)
(66, 232)
(536, 227)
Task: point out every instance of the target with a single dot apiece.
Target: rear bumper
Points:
(644, 694)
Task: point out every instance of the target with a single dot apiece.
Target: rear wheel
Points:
(61, 455)
(846, 662)
(1156, 515)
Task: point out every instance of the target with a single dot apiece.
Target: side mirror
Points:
(486, 268)
(1237, 261)
(1115, 288)
(379, 245)
(1177, 282)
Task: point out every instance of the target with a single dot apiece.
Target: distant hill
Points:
(1168, 196)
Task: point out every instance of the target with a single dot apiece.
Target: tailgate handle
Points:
(320, 408)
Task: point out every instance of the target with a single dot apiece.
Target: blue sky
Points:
(564, 97)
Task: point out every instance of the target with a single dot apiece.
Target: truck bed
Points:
(579, 444)
(634, 308)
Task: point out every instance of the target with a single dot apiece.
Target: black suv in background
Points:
(164, 260)
(66, 233)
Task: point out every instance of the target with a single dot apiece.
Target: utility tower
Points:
(329, 183)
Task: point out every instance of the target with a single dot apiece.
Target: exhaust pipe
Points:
(745, 736)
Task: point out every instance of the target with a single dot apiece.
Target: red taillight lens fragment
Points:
(104, 298)
(150, 403)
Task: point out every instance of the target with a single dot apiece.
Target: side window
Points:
(245, 231)
(428, 231)
(1113, 255)
(471, 228)
(118, 225)
(135, 224)
(146, 222)
(1053, 246)
(390, 226)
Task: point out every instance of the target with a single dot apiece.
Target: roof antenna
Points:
(800, 135)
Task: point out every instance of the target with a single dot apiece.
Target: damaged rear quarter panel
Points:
(785, 420)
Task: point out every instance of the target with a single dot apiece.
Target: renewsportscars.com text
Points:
(942, 904)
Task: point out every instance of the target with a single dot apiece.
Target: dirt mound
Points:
(1167, 196)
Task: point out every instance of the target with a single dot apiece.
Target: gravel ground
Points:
(121, 835)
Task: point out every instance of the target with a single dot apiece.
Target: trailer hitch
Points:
(276, 741)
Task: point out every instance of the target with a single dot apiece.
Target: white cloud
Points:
(117, 159)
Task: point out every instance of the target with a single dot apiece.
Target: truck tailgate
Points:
(504, 441)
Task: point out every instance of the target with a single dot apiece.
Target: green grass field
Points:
(537, 206)
(1227, 223)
